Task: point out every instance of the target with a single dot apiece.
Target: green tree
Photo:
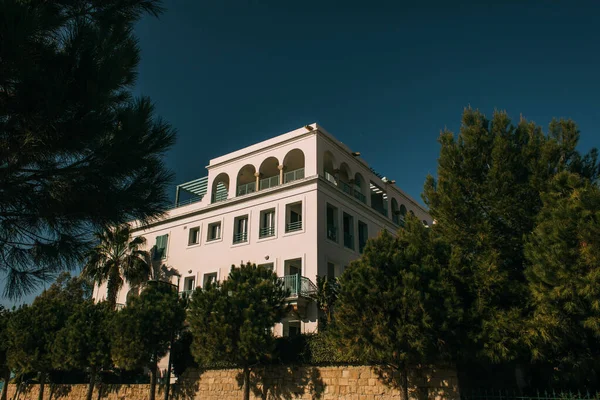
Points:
(396, 304)
(143, 330)
(117, 259)
(4, 366)
(84, 342)
(485, 200)
(326, 296)
(231, 322)
(77, 151)
(32, 329)
(563, 252)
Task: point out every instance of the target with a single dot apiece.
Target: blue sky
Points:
(383, 77)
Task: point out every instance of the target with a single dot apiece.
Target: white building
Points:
(302, 203)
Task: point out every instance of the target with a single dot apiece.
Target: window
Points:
(291, 328)
(209, 279)
(214, 231)
(348, 231)
(240, 229)
(194, 236)
(268, 266)
(161, 247)
(267, 223)
(330, 270)
(293, 214)
(189, 283)
(331, 223)
(363, 235)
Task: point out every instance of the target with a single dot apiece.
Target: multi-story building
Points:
(301, 203)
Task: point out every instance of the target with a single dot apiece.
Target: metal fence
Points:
(490, 394)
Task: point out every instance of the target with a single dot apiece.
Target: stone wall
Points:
(302, 382)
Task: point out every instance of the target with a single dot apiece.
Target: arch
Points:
(344, 173)
(395, 211)
(329, 165)
(246, 181)
(360, 187)
(403, 210)
(269, 173)
(293, 165)
(220, 187)
(411, 213)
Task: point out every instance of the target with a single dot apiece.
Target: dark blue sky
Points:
(383, 77)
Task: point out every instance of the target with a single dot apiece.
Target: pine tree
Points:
(231, 322)
(485, 199)
(4, 367)
(142, 331)
(77, 152)
(396, 305)
(33, 328)
(84, 342)
(563, 253)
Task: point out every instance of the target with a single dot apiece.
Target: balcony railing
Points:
(267, 231)
(299, 286)
(269, 182)
(186, 294)
(240, 237)
(245, 189)
(219, 197)
(293, 175)
(349, 241)
(119, 306)
(396, 218)
(346, 188)
(293, 226)
(186, 202)
(332, 232)
(380, 209)
(361, 197)
(330, 178)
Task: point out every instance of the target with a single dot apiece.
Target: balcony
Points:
(186, 294)
(266, 232)
(346, 188)
(293, 175)
(240, 237)
(299, 286)
(330, 178)
(293, 226)
(349, 241)
(360, 197)
(269, 182)
(246, 189)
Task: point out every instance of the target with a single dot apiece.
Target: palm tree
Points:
(118, 259)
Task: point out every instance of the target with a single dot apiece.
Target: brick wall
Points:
(348, 382)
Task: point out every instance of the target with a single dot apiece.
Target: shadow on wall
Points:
(281, 382)
(421, 381)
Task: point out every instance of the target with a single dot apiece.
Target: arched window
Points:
(395, 212)
(293, 166)
(220, 187)
(329, 165)
(246, 180)
(269, 173)
(360, 187)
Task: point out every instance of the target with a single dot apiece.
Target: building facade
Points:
(301, 203)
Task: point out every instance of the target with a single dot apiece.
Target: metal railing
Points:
(185, 202)
(267, 231)
(381, 210)
(396, 218)
(330, 178)
(332, 232)
(299, 286)
(346, 188)
(119, 306)
(349, 241)
(186, 294)
(269, 182)
(219, 197)
(359, 196)
(293, 226)
(293, 175)
(240, 237)
(246, 188)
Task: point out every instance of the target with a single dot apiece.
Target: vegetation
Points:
(396, 305)
(117, 259)
(143, 331)
(4, 367)
(84, 342)
(77, 150)
(231, 321)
